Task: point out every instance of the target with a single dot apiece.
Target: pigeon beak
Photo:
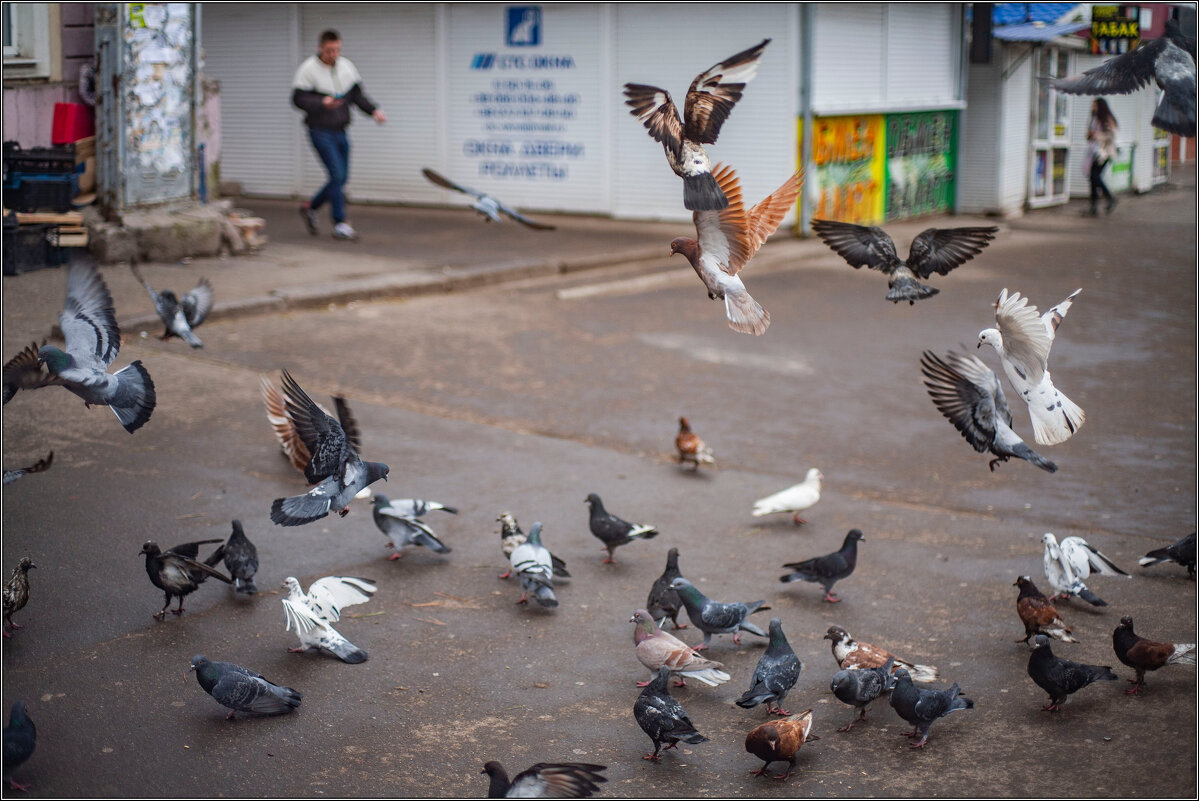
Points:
(980, 344)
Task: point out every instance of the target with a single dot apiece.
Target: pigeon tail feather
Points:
(1055, 426)
(246, 586)
(922, 673)
(347, 652)
(1184, 654)
(136, 397)
(909, 289)
(745, 315)
(702, 193)
(1176, 114)
(190, 338)
(714, 677)
(1090, 597)
(1022, 451)
(544, 595)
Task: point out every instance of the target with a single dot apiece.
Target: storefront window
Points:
(1050, 130)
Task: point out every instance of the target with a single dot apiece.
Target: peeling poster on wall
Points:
(157, 87)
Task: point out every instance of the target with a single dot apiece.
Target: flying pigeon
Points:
(20, 739)
(284, 426)
(241, 559)
(1061, 677)
(180, 315)
(177, 572)
(691, 449)
(935, 250)
(922, 707)
(1068, 563)
(827, 570)
(1182, 552)
(860, 686)
(779, 741)
(16, 594)
(19, 367)
(968, 393)
(851, 654)
(335, 467)
(794, 499)
(1168, 60)
(664, 602)
(1038, 614)
(89, 326)
(486, 205)
(534, 566)
(728, 239)
(1023, 340)
(709, 102)
(712, 617)
(243, 690)
(313, 612)
(662, 717)
(656, 648)
(511, 536)
(1141, 654)
(405, 529)
(545, 780)
(777, 671)
(611, 530)
(38, 467)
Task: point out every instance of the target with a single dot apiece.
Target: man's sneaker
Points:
(309, 218)
(343, 230)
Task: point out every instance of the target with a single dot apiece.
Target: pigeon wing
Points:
(939, 250)
(520, 218)
(764, 218)
(190, 549)
(859, 245)
(348, 423)
(722, 234)
(312, 505)
(722, 616)
(322, 435)
(976, 371)
(965, 404)
(715, 91)
(1085, 559)
(300, 616)
(656, 111)
(23, 372)
(1026, 343)
(1117, 76)
(556, 780)
(932, 704)
(163, 306)
(329, 595)
(197, 304)
(40, 466)
(285, 429)
(442, 181)
(88, 320)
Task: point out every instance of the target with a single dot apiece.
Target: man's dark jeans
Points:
(334, 149)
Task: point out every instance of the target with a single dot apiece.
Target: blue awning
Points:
(1016, 13)
(1037, 31)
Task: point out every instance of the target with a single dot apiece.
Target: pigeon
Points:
(691, 449)
(1038, 614)
(859, 686)
(415, 507)
(1182, 552)
(921, 707)
(935, 250)
(176, 571)
(777, 671)
(728, 239)
(335, 467)
(1023, 340)
(511, 536)
(1061, 677)
(829, 569)
(710, 100)
(313, 612)
(664, 602)
(968, 393)
(712, 617)
(16, 368)
(89, 326)
(486, 205)
(241, 559)
(243, 690)
(794, 499)
(1067, 564)
(545, 780)
(20, 739)
(656, 648)
(612, 531)
(851, 654)
(662, 717)
(532, 563)
(16, 594)
(780, 740)
(1141, 654)
(38, 467)
(180, 315)
(405, 529)
(285, 427)
(1169, 61)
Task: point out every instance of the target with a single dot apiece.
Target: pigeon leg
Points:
(14, 784)
(920, 743)
(343, 512)
(1052, 706)
(915, 732)
(506, 574)
(230, 715)
(524, 598)
(395, 556)
(178, 611)
(162, 613)
(8, 636)
(644, 683)
(676, 622)
(654, 756)
(778, 710)
(680, 682)
(1137, 684)
(737, 637)
(299, 650)
(761, 770)
(832, 599)
(848, 726)
(675, 744)
(785, 774)
(609, 560)
(797, 520)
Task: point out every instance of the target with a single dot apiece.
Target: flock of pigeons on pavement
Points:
(325, 448)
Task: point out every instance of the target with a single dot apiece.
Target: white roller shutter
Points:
(849, 55)
(922, 54)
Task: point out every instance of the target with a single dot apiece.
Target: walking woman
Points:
(1101, 149)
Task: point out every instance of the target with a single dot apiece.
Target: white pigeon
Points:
(1022, 340)
(312, 613)
(1071, 561)
(793, 499)
(532, 563)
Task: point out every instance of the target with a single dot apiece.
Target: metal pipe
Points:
(805, 99)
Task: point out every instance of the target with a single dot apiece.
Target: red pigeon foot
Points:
(523, 599)
(343, 512)
(672, 745)
(678, 626)
(847, 726)
(799, 521)
(18, 786)
(678, 683)
(177, 612)
(832, 599)
(394, 557)
(780, 711)
(1050, 708)
(644, 683)
(760, 771)
(505, 575)
(16, 625)
(652, 757)
(8, 636)
(920, 744)
(230, 715)
(296, 650)
(781, 776)
(608, 561)
(700, 647)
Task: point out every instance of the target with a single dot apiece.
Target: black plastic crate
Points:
(31, 247)
(40, 192)
(39, 160)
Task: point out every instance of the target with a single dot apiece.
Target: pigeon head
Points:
(18, 718)
(1125, 623)
(836, 634)
(27, 563)
(1022, 582)
(645, 625)
(535, 533)
(150, 549)
(684, 425)
(672, 558)
(499, 779)
(680, 582)
(291, 585)
(814, 475)
(902, 675)
(198, 661)
(169, 297)
(660, 682)
(593, 501)
(776, 632)
(380, 501)
(508, 524)
(842, 680)
(1040, 641)
(55, 360)
(855, 535)
(992, 337)
(688, 247)
(376, 471)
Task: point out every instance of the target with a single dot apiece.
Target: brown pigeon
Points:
(16, 594)
(1038, 614)
(284, 424)
(850, 654)
(691, 448)
(780, 740)
(1141, 654)
(656, 648)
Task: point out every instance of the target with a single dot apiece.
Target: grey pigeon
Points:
(485, 204)
(511, 535)
(180, 315)
(16, 594)
(241, 559)
(663, 602)
(545, 780)
(712, 617)
(533, 565)
(1061, 677)
(859, 686)
(829, 569)
(20, 739)
(1182, 552)
(968, 393)
(314, 612)
(401, 527)
(662, 717)
(777, 671)
(41, 465)
(921, 707)
(243, 690)
(611, 530)
(335, 467)
(935, 250)
(177, 572)
(89, 327)
(416, 507)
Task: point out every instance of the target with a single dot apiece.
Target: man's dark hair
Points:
(330, 36)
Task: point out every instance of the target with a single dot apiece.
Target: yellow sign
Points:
(847, 179)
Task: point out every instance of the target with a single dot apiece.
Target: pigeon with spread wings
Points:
(180, 315)
(485, 204)
(312, 613)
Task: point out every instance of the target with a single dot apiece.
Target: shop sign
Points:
(1114, 29)
(845, 181)
(921, 150)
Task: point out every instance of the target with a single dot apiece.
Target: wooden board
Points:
(66, 218)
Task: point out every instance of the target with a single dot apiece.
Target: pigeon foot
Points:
(524, 599)
(736, 638)
(177, 612)
(343, 512)
(395, 556)
(299, 650)
(797, 520)
(780, 776)
(652, 757)
(505, 575)
(678, 625)
(921, 743)
(760, 771)
(15, 625)
(832, 599)
(643, 683)
(678, 683)
(14, 784)
(780, 711)
(1050, 707)
(847, 726)
(8, 636)
(160, 615)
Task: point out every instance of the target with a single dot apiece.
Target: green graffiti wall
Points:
(921, 161)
